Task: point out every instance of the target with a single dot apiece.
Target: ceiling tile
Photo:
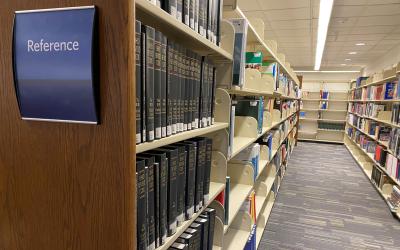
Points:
(283, 4)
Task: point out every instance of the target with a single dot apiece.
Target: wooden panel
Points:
(69, 186)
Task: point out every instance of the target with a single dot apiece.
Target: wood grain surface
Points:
(70, 186)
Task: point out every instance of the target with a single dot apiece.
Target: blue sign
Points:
(55, 65)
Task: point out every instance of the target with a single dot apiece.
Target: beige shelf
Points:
(369, 136)
(371, 157)
(285, 97)
(263, 219)
(249, 92)
(326, 120)
(215, 189)
(326, 100)
(382, 81)
(254, 38)
(179, 137)
(318, 140)
(330, 130)
(326, 110)
(178, 31)
(238, 234)
(308, 132)
(387, 122)
(392, 100)
(237, 195)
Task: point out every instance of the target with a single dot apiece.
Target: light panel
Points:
(325, 11)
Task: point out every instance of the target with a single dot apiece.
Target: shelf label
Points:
(55, 64)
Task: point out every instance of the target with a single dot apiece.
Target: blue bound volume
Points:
(54, 64)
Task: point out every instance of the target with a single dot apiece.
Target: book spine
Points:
(201, 17)
(190, 179)
(191, 13)
(207, 170)
(170, 6)
(141, 212)
(158, 3)
(186, 10)
(211, 94)
(201, 164)
(163, 84)
(211, 223)
(172, 192)
(209, 20)
(163, 200)
(190, 92)
(187, 91)
(157, 84)
(193, 89)
(179, 10)
(197, 68)
(138, 82)
(227, 192)
(196, 15)
(175, 91)
(170, 89)
(181, 89)
(181, 185)
(143, 102)
(151, 206)
(157, 193)
(150, 83)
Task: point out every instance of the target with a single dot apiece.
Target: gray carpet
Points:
(326, 202)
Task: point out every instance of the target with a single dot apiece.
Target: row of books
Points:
(203, 16)
(366, 109)
(394, 199)
(395, 118)
(174, 87)
(173, 183)
(199, 235)
(256, 60)
(378, 177)
(376, 129)
(383, 157)
(387, 91)
(243, 59)
(331, 126)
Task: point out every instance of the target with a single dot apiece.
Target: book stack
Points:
(239, 52)
(378, 177)
(203, 16)
(395, 118)
(392, 165)
(173, 183)
(361, 81)
(394, 141)
(380, 155)
(199, 235)
(175, 87)
(250, 155)
(394, 199)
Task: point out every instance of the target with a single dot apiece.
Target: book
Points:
(231, 128)
(181, 181)
(199, 184)
(141, 201)
(171, 100)
(210, 213)
(191, 161)
(151, 200)
(157, 84)
(138, 81)
(162, 161)
(187, 239)
(207, 170)
(389, 90)
(203, 222)
(178, 246)
(240, 27)
(254, 60)
(226, 204)
(179, 10)
(176, 91)
(196, 237)
(149, 89)
(191, 13)
(252, 108)
(163, 83)
(172, 188)
(170, 6)
(186, 12)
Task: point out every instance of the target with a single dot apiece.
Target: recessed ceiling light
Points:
(360, 44)
(343, 64)
(347, 59)
(352, 53)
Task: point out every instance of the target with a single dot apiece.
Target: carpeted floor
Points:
(326, 202)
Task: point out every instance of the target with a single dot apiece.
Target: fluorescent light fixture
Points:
(326, 71)
(360, 44)
(347, 59)
(343, 64)
(352, 53)
(325, 11)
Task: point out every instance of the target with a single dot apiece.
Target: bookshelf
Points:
(323, 119)
(71, 161)
(369, 128)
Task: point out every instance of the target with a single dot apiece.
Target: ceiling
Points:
(294, 24)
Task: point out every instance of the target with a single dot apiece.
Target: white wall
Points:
(329, 81)
(384, 62)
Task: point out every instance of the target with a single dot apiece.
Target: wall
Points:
(384, 62)
(329, 81)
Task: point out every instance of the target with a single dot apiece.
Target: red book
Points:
(221, 197)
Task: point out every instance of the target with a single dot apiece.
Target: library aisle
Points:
(326, 202)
